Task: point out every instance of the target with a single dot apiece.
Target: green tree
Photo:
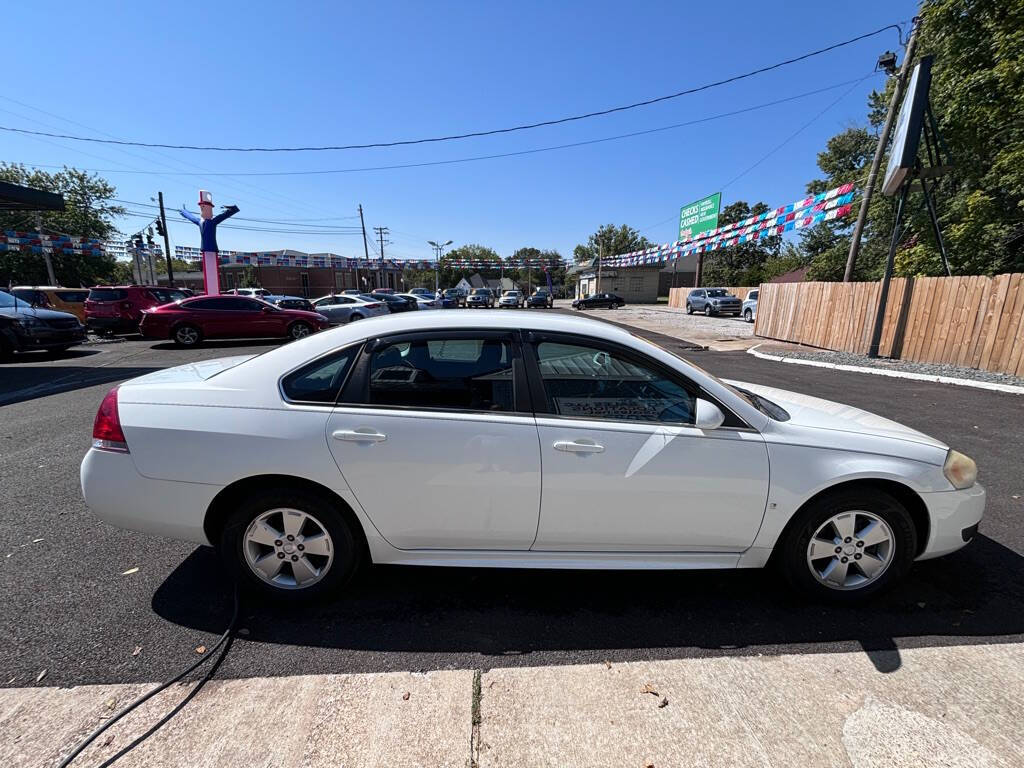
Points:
(89, 213)
(743, 264)
(610, 240)
(977, 94)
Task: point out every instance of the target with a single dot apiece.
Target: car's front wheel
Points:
(299, 330)
(707, 310)
(186, 335)
(354, 316)
(848, 545)
(689, 308)
(748, 315)
(289, 545)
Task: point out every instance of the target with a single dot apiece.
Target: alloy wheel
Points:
(300, 331)
(850, 550)
(288, 548)
(186, 335)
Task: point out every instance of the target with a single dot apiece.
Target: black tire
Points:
(707, 310)
(187, 335)
(354, 316)
(748, 315)
(616, 306)
(299, 330)
(791, 550)
(689, 309)
(347, 553)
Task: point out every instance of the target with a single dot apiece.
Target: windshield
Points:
(763, 404)
(165, 296)
(513, 294)
(452, 292)
(6, 300)
(717, 292)
(481, 292)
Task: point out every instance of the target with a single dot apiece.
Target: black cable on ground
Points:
(223, 643)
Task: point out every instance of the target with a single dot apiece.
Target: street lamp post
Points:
(438, 251)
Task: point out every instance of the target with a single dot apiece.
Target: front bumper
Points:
(950, 514)
(28, 339)
(116, 493)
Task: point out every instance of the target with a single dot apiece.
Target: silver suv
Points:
(713, 301)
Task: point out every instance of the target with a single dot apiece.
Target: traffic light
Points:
(160, 227)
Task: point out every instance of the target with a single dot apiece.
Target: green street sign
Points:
(699, 216)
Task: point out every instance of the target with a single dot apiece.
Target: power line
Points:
(293, 222)
(472, 134)
(476, 158)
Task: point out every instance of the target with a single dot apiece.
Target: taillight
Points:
(106, 429)
(372, 306)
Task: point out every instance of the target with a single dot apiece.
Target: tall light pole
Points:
(438, 251)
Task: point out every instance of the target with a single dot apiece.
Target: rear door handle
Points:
(360, 435)
(578, 446)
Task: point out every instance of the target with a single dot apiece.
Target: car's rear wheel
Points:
(848, 545)
(748, 315)
(289, 545)
(354, 316)
(186, 335)
(299, 330)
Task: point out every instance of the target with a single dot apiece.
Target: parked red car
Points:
(118, 308)
(190, 321)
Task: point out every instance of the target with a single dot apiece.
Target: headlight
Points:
(960, 470)
(27, 321)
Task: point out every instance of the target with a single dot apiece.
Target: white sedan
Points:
(579, 444)
(345, 308)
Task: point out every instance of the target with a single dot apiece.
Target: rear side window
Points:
(321, 380)
(72, 296)
(107, 294)
(463, 374)
(165, 296)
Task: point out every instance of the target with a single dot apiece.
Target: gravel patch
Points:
(907, 366)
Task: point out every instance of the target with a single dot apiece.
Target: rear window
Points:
(73, 296)
(107, 294)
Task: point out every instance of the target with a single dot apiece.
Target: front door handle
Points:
(360, 435)
(578, 446)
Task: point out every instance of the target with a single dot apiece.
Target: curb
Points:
(989, 385)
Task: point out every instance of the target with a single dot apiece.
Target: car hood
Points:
(816, 413)
(25, 310)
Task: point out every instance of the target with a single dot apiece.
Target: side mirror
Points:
(708, 415)
(267, 310)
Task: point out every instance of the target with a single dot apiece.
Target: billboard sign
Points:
(700, 216)
(907, 134)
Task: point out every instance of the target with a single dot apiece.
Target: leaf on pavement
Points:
(41, 676)
(137, 651)
(663, 703)
(129, 571)
(405, 697)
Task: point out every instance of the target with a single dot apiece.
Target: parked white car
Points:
(580, 444)
(344, 308)
(511, 299)
(422, 302)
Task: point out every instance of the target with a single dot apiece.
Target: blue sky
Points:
(276, 74)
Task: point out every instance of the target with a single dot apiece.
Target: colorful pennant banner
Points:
(833, 204)
(37, 242)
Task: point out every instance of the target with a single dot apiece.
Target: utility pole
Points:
(162, 229)
(366, 248)
(883, 142)
(600, 261)
(46, 252)
(382, 232)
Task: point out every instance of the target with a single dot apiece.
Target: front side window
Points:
(321, 380)
(586, 382)
(465, 374)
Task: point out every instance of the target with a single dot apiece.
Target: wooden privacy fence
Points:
(974, 322)
(677, 296)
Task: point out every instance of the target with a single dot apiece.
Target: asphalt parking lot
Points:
(76, 607)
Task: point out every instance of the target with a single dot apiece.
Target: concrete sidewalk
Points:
(943, 706)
